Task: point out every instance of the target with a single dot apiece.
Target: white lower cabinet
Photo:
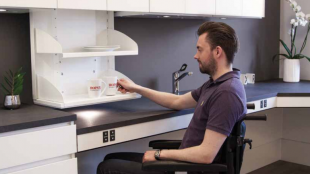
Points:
(63, 167)
(46, 149)
(29, 3)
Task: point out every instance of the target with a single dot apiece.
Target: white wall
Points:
(286, 15)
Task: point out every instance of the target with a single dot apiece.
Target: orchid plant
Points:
(302, 20)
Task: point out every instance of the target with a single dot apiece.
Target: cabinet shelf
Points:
(49, 95)
(46, 44)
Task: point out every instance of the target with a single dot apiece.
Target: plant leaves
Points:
(19, 70)
(8, 82)
(286, 48)
(9, 76)
(6, 91)
(18, 90)
(274, 57)
(11, 73)
(19, 83)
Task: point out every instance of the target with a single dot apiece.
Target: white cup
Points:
(243, 79)
(95, 88)
(250, 77)
(111, 85)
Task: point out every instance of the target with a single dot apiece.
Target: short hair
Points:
(221, 34)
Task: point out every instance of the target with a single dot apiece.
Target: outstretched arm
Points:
(172, 101)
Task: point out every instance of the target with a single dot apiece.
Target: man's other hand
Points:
(125, 85)
(149, 156)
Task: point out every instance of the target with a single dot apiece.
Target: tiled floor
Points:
(283, 167)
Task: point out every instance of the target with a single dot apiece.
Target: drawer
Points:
(63, 167)
(36, 146)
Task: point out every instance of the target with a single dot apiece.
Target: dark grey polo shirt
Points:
(220, 104)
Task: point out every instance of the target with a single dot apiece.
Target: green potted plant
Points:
(292, 56)
(12, 88)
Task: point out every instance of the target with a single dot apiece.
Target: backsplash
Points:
(165, 44)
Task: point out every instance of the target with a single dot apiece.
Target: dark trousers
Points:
(123, 163)
(126, 163)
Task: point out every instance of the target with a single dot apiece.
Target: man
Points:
(219, 104)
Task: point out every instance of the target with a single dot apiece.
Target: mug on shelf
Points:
(243, 79)
(111, 85)
(95, 88)
(250, 77)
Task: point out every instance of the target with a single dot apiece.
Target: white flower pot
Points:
(291, 70)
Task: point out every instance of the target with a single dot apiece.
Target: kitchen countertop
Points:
(112, 115)
(30, 116)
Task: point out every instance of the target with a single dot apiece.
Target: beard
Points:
(209, 68)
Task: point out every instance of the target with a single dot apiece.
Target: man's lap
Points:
(123, 163)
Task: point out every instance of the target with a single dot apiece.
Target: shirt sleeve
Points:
(197, 92)
(226, 109)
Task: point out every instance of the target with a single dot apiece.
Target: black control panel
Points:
(106, 136)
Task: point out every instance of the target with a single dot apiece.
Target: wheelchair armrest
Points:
(165, 144)
(171, 166)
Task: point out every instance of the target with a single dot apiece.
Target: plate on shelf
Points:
(102, 48)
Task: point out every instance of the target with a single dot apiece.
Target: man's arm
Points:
(204, 153)
(164, 99)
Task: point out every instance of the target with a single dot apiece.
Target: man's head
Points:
(216, 46)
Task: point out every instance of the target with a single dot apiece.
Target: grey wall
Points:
(165, 44)
(15, 49)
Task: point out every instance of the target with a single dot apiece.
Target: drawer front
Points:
(63, 167)
(36, 146)
(127, 133)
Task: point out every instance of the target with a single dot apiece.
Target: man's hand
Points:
(149, 156)
(126, 86)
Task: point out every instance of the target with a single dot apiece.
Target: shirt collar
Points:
(235, 73)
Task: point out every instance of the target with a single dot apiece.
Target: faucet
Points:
(176, 79)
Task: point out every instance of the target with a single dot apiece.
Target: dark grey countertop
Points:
(30, 116)
(112, 115)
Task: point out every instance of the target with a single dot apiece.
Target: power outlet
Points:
(105, 136)
(112, 135)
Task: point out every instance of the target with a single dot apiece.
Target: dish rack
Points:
(60, 64)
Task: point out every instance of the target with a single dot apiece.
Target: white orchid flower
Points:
(293, 21)
(300, 15)
(293, 4)
(297, 9)
(302, 22)
(296, 24)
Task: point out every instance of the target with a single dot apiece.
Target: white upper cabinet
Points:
(167, 6)
(205, 7)
(83, 4)
(129, 5)
(229, 7)
(29, 3)
(253, 8)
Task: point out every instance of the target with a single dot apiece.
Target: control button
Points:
(105, 133)
(265, 103)
(112, 132)
(261, 104)
(105, 139)
(112, 138)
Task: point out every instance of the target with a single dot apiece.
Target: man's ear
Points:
(218, 51)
